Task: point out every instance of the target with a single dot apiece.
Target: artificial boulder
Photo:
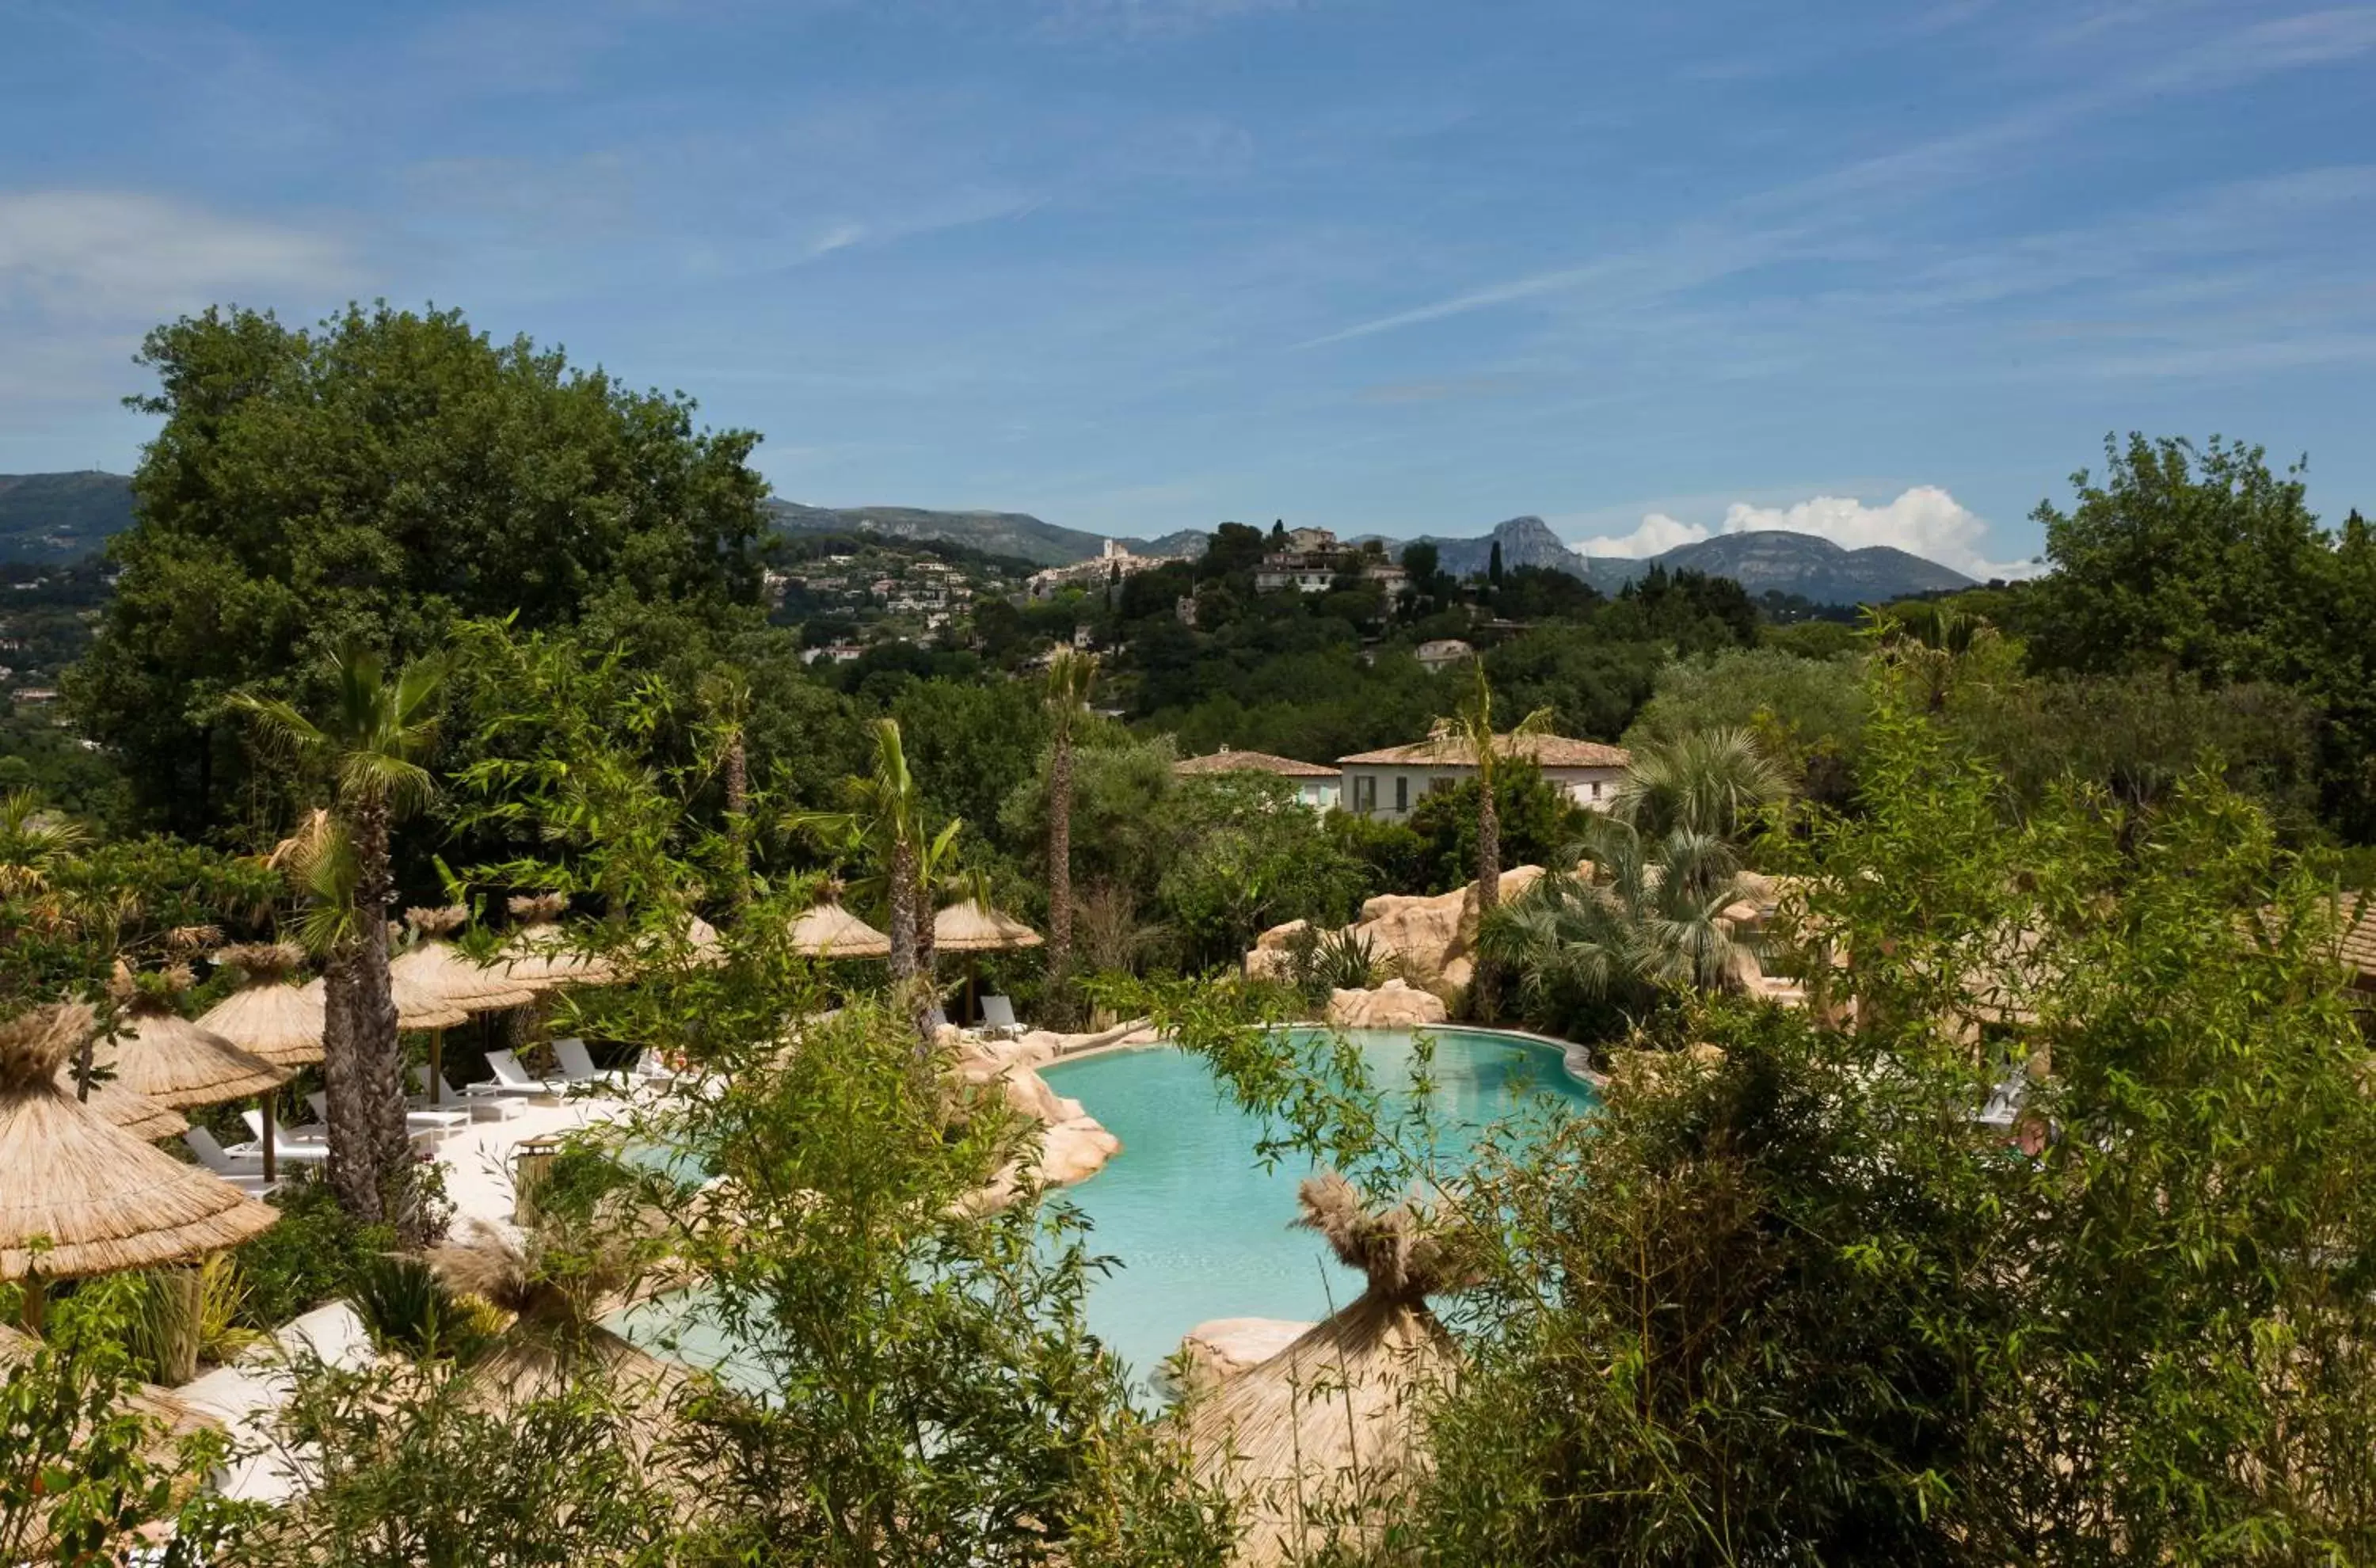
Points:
(1213, 1352)
(1393, 1005)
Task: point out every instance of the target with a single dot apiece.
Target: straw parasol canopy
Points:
(971, 927)
(162, 1055)
(269, 1016)
(1288, 1435)
(435, 970)
(829, 931)
(536, 958)
(101, 1198)
(554, 1332)
(119, 1106)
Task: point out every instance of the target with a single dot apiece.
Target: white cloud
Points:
(1924, 520)
(109, 252)
(1657, 534)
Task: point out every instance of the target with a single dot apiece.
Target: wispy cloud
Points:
(111, 253)
(1817, 213)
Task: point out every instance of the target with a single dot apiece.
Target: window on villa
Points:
(1595, 789)
(1402, 791)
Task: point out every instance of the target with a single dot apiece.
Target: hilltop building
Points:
(1390, 783)
(1113, 562)
(1312, 560)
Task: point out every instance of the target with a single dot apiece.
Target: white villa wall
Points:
(1392, 792)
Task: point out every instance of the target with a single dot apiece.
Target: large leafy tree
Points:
(369, 745)
(2200, 561)
(373, 478)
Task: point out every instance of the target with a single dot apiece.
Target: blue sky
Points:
(1887, 272)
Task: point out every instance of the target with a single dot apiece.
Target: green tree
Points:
(1807, 713)
(2192, 558)
(368, 747)
(1536, 820)
(1252, 856)
(373, 479)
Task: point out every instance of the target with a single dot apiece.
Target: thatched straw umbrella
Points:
(554, 1333)
(100, 1198)
(270, 1016)
(158, 1053)
(974, 927)
(1324, 1429)
(119, 1106)
(535, 957)
(829, 931)
(435, 972)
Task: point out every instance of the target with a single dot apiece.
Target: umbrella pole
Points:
(436, 1068)
(973, 988)
(264, 1101)
(36, 1301)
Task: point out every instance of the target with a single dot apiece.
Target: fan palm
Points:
(1710, 781)
(1070, 676)
(1648, 918)
(1469, 735)
(369, 745)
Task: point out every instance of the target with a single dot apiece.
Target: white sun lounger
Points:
(998, 1015)
(511, 1078)
(452, 1098)
(578, 1067)
(244, 1172)
(302, 1144)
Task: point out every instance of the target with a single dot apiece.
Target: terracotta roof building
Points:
(1315, 784)
(1390, 783)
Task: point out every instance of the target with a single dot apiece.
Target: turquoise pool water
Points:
(1200, 1230)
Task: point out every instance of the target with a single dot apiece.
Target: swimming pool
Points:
(1200, 1230)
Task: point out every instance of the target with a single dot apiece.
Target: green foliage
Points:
(1122, 790)
(407, 1309)
(1249, 856)
(1397, 859)
(313, 1255)
(1321, 961)
(971, 746)
(373, 478)
(1539, 824)
(410, 1464)
(81, 1466)
(2200, 561)
(1808, 713)
(1595, 955)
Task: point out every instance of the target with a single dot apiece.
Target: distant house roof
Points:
(1543, 751)
(1228, 761)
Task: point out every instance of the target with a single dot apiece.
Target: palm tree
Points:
(885, 822)
(1931, 640)
(1710, 781)
(1468, 734)
(1070, 676)
(1648, 918)
(369, 744)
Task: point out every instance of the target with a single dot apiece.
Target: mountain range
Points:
(61, 517)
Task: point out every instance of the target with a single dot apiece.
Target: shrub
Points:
(313, 1255)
